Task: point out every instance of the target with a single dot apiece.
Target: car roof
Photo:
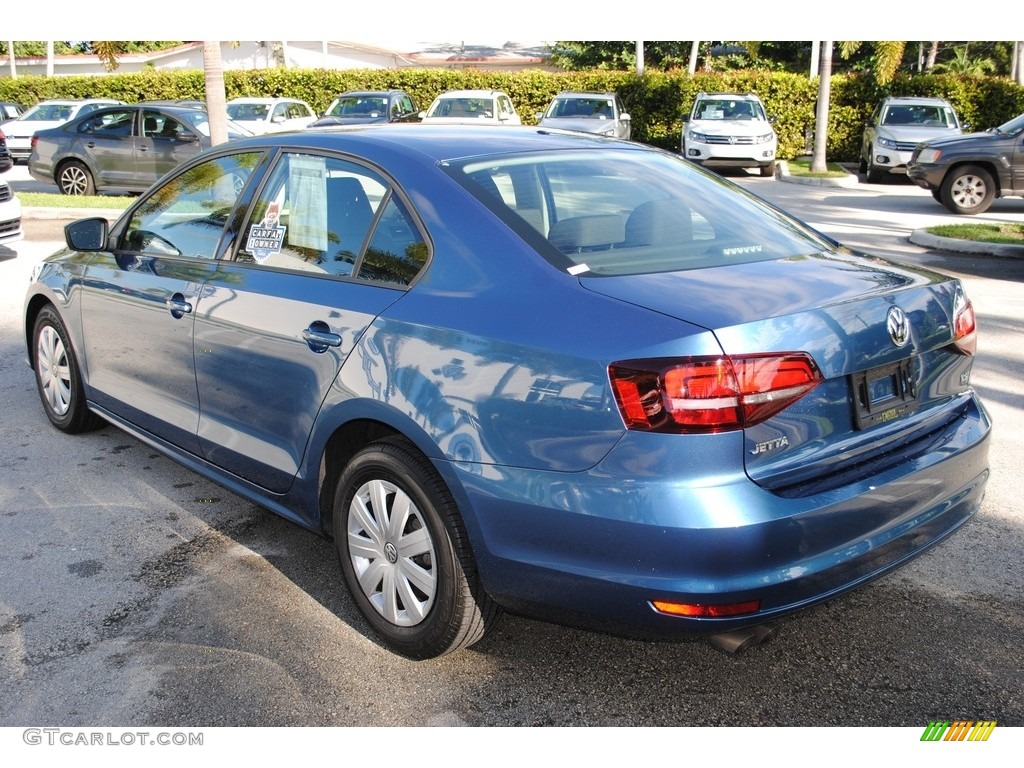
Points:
(471, 93)
(437, 143)
(389, 92)
(585, 94)
(931, 100)
(734, 96)
(259, 100)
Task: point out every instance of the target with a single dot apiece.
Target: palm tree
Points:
(818, 161)
(216, 98)
(962, 64)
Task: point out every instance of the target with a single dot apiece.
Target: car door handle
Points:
(318, 337)
(178, 306)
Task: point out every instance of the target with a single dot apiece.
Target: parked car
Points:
(45, 115)
(10, 111)
(6, 161)
(897, 126)
(270, 115)
(704, 416)
(357, 107)
(730, 130)
(10, 215)
(472, 106)
(120, 148)
(966, 173)
(600, 113)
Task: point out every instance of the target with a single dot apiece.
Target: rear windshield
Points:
(621, 212)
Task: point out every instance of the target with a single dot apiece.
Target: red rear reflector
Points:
(965, 324)
(710, 394)
(696, 610)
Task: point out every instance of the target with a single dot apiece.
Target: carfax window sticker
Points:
(266, 238)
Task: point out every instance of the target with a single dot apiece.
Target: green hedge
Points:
(656, 101)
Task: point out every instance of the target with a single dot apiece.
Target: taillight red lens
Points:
(965, 325)
(710, 394)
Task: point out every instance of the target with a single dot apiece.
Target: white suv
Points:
(730, 130)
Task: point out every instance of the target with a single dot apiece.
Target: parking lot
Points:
(137, 593)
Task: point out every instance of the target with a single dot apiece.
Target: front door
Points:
(139, 300)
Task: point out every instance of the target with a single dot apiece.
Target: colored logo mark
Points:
(959, 730)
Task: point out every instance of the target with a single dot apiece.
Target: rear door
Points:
(108, 138)
(274, 326)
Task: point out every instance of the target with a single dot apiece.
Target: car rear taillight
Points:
(710, 394)
(965, 326)
(35, 140)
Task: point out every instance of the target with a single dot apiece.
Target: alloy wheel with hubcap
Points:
(405, 554)
(74, 178)
(58, 379)
(969, 189)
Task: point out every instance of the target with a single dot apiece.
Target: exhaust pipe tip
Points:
(740, 640)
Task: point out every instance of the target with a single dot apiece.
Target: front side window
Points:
(328, 215)
(186, 215)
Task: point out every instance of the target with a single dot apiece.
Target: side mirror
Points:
(686, 118)
(624, 117)
(87, 234)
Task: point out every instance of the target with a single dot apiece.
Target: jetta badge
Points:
(898, 325)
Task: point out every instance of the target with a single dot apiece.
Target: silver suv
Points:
(897, 126)
(730, 130)
(600, 113)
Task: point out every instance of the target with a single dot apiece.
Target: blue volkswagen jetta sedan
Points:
(518, 369)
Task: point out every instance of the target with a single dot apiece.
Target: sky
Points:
(520, 20)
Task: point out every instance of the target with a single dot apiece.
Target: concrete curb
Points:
(927, 240)
(69, 214)
(782, 174)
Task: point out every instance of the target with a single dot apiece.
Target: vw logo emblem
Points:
(898, 325)
(732, 139)
(391, 552)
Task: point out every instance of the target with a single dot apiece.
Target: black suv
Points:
(966, 173)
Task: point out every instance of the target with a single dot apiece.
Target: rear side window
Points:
(328, 215)
(620, 212)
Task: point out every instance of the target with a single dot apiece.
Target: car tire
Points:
(768, 170)
(58, 378)
(937, 194)
(73, 178)
(871, 173)
(968, 190)
(405, 554)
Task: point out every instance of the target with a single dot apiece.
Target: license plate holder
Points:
(883, 394)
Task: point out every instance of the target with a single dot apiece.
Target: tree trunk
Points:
(933, 54)
(639, 58)
(815, 58)
(216, 99)
(49, 58)
(694, 48)
(818, 160)
(10, 58)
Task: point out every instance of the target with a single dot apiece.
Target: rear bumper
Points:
(597, 548)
